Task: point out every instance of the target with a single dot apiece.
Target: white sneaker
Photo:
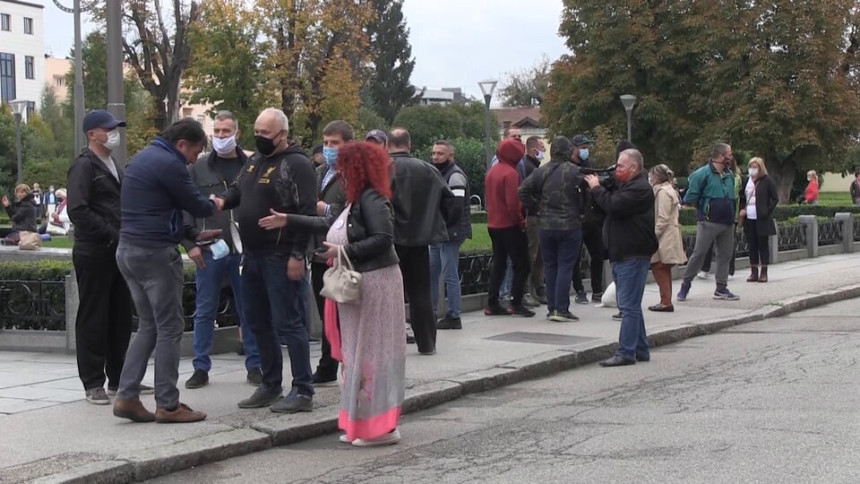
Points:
(703, 275)
(344, 440)
(387, 439)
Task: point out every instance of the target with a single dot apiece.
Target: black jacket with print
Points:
(285, 182)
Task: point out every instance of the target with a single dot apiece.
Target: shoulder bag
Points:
(341, 283)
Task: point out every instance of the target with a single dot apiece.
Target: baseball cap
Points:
(377, 135)
(99, 118)
(580, 140)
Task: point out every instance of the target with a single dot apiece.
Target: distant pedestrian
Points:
(445, 256)
(155, 190)
(212, 175)
(810, 194)
(758, 201)
(506, 225)
(317, 155)
(22, 212)
(629, 208)
(50, 201)
(38, 199)
(103, 322)
(854, 189)
(668, 231)
(424, 207)
(711, 189)
(554, 190)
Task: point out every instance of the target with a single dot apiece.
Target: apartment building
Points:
(22, 47)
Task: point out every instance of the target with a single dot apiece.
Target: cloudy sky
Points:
(456, 43)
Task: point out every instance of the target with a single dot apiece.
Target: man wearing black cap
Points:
(377, 136)
(103, 324)
(592, 230)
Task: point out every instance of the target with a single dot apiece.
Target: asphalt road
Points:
(776, 401)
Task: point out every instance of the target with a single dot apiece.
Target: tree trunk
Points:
(783, 175)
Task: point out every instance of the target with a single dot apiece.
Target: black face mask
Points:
(265, 146)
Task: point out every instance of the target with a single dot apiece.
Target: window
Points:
(31, 108)
(5, 22)
(187, 112)
(29, 67)
(7, 77)
(59, 81)
(28, 26)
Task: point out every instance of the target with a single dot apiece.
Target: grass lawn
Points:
(835, 199)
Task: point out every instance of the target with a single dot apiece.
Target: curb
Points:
(277, 431)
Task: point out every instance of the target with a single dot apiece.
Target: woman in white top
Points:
(758, 199)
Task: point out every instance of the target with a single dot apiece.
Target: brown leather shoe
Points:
(133, 410)
(181, 414)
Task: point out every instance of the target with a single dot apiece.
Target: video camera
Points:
(604, 175)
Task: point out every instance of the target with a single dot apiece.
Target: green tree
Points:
(391, 63)
(429, 123)
(368, 119)
(226, 65)
(527, 87)
(59, 123)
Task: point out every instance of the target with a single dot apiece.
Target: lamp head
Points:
(18, 107)
(487, 87)
(628, 100)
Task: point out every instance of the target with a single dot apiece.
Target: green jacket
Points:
(714, 195)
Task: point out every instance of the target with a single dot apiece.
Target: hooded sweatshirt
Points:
(500, 188)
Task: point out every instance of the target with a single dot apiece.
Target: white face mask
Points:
(113, 140)
(224, 146)
(753, 171)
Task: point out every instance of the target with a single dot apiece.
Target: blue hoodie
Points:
(156, 189)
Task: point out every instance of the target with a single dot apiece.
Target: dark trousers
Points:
(327, 364)
(592, 239)
(509, 242)
(273, 307)
(415, 266)
(103, 324)
(759, 249)
(558, 249)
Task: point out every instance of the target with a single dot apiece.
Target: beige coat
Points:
(666, 226)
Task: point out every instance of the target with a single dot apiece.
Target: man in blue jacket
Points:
(156, 189)
(711, 189)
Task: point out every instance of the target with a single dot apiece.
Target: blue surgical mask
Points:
(219, 249)
(583, 153)
(330, 155)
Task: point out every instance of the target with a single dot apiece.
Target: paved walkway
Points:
(47, 426)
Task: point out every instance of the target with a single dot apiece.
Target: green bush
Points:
(41, 270)
(782, 212)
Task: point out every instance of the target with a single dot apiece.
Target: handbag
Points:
(341, 283)
(29, 241)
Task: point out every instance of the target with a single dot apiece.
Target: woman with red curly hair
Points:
(372, 336)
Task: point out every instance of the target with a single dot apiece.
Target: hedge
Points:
(782, 212)
(41, 270)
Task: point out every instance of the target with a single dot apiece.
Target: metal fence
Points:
(829, 233)
(791, 237)
(34, 305)
(856, 229)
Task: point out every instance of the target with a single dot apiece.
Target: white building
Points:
(22, 52)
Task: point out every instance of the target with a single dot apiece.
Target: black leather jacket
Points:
(93, 203)
(369, 230)
(424, 206)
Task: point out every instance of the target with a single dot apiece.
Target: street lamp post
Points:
(18, 109)
(115, 95)
(487, 88)
(78, 92)
(628, 100)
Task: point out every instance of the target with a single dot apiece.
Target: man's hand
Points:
(321, 208)
(219, 202)
(208, 234)
(274, 221)
(5, 201)
(295, 269)
(196, 255)
(592, 181)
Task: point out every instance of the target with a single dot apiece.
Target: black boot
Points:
(763, 276)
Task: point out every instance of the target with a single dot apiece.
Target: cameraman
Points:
(629, 233)
(553, 189)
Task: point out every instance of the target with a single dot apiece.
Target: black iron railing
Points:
(791, 237)
(856, 229)
(35, 305)
(829, 232)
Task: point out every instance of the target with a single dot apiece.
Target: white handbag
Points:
(341, 283)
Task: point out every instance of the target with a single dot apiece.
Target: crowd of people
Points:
(274, 222)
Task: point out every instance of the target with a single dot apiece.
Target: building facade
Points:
(22, 47)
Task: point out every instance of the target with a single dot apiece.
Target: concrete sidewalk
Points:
(48, 431)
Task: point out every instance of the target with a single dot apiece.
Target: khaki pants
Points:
(536, 285)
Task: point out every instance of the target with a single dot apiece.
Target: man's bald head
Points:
(399, 139)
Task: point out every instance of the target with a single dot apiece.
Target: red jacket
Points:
(811, 192)
(500, 193)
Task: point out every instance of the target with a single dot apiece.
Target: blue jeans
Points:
(303, 316)
(630, 276)
(507, 282)
(208, 298)
(559, 250)
(445, 260)
(273, 306)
